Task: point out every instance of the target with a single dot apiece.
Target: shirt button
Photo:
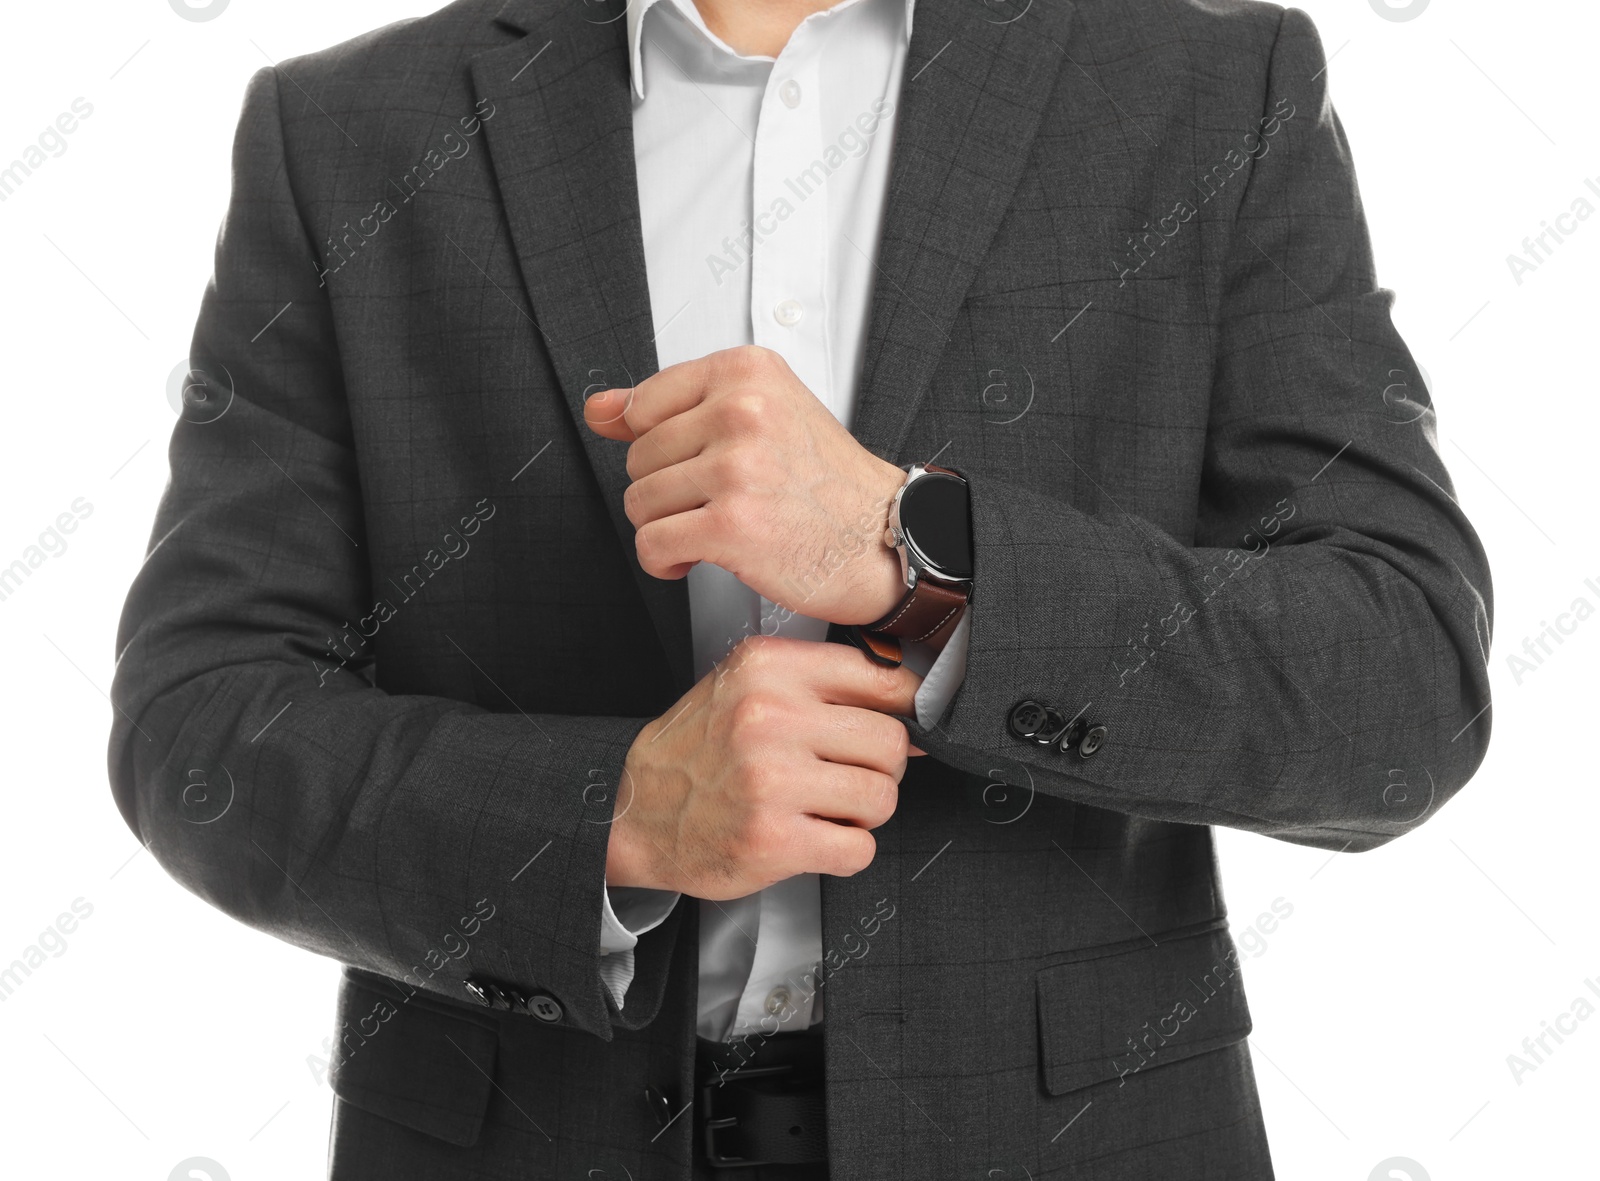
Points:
(788, 313)
(777, 1001)
(789, 92)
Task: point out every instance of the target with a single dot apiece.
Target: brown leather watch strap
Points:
(881, 649)
(928, 614)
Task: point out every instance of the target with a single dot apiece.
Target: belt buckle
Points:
(712, 1123)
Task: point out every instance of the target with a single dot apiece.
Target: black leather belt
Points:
(761, 1100)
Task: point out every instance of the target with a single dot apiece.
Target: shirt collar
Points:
(637, 9)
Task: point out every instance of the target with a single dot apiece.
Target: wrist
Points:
(887, 587)
(625, 861)
(881, 579)
(621, 859)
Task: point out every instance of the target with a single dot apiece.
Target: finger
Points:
(841, 850)
(677, 440)
(834, 674)
(664, 494)
(862, 738)
(843, 675)
(917, 752)
(669, 546)
(627, 414)
(605, 414)
(848, 794)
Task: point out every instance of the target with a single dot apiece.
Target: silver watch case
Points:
(914, 564)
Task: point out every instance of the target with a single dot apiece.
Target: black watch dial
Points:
(936, 521)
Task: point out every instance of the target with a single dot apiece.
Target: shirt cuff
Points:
(627, 912)
(940, 682)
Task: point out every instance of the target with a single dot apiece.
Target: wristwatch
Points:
(930, 527)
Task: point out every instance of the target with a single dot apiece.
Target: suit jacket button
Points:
(658, 1105)
(1026, 718)
(1069, 738)
(545, 1007)
(1054, 723)
(1091, 742)
(479, 993)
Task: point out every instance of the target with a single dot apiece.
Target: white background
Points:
(1385, 1005)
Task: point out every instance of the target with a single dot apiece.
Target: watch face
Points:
(936, 521)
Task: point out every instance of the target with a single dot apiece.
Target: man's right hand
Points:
(776, 763)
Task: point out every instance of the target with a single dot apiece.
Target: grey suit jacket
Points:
(378, 675)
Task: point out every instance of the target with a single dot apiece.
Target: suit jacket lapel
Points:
(561, 142)
(977, 80)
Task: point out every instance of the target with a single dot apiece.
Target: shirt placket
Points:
(788, 308)
(790, 232)
(789, 315)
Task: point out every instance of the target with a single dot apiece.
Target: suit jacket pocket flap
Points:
(412, 1060)
(1115, 1015)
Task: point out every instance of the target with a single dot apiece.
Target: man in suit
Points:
(570, 374)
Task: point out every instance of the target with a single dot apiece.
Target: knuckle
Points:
(899, 743)
(858, 854)
(644, 544)
(745, 411)
(887, 684)
(883, 801)
(764, 841)
(886, 735)
(648, 544)
(751, 716)
(763, 359)
(748, 361)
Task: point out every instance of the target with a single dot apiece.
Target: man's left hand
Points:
(735, 462)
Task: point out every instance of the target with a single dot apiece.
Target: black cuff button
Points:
(545, 1007)
(1055, 722)
(1069, 738)
(1090, 744)
(1026, 719)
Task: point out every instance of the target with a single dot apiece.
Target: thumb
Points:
(603, 412)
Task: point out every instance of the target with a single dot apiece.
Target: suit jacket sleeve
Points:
(1328, 626)
(374, 828)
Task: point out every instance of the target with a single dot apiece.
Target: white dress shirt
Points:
(762, 184)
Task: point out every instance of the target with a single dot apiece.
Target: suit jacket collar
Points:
(976, 83)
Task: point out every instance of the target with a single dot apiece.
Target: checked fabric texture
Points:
(391, 602)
